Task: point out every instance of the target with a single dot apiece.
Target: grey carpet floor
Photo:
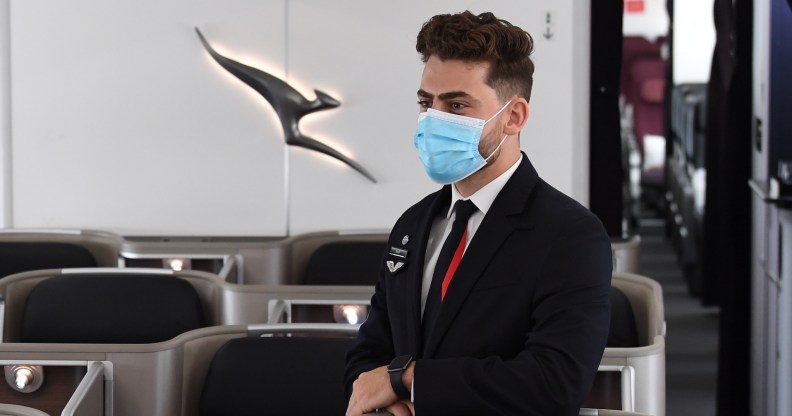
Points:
(692, 331)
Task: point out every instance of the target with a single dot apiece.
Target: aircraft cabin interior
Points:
(197, 197)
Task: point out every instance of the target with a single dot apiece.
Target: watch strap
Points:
(398, 385)
(395, 372)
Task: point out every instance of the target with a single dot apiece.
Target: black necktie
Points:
(463, 209)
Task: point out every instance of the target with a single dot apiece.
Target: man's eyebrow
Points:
(454, 94)
(447, 95)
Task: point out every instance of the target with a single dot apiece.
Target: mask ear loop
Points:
(499, 111)
(486, 160)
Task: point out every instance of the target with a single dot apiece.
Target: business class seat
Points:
(636, 48)
(632, 369)
(117, 379)
(133, 323)
(112, 308)
(145, 378)
(292, 369)
(23, 250)
(278, 375)
(107, 305)
(648, 110)
(335, 258)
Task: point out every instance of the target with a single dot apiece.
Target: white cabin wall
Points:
(5, 115)
(121, 121)
(694, 40)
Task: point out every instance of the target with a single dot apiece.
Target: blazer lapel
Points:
(503, 217)
(415, 273)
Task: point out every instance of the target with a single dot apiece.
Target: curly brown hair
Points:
(482, 38)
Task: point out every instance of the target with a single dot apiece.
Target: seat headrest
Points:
(277, 376)
(653, 90)
(623, 329)
(17, 257)
(345, 263)
(110, 309)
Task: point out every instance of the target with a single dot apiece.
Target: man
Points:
(504, 312)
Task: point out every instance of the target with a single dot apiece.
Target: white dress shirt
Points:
(441, 227)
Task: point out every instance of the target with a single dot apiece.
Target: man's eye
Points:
(457, 106)
(424, 104)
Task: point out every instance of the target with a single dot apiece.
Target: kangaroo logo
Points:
(288, 103)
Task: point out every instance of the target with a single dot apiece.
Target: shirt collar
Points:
(484, 197)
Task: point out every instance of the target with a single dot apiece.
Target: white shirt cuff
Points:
(412, 390)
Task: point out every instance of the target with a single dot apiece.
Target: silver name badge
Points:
(398, 252)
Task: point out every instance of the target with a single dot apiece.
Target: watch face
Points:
(400, 363)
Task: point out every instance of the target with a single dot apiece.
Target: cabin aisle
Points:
(692, 330)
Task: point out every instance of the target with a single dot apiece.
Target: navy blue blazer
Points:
(525, 319)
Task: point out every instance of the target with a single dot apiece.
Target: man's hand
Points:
(401, 408)
(371, 391)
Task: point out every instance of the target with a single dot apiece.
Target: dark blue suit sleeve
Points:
(374, 346)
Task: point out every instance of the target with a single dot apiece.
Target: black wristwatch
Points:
(395, 371)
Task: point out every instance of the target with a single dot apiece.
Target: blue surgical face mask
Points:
(448, 144)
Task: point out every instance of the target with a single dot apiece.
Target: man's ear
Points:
(518, 115)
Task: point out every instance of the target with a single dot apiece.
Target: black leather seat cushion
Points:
(277, 376)
(110, 309)
(623, 330)
(26, 256)
(345, 263)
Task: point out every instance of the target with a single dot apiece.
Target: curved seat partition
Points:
(16, 410)
(626, 252)
(24, 250)
(639, 370)
(187, 374)
(135, 379)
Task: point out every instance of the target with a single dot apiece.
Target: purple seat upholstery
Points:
(648, 76)
(636, 48)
